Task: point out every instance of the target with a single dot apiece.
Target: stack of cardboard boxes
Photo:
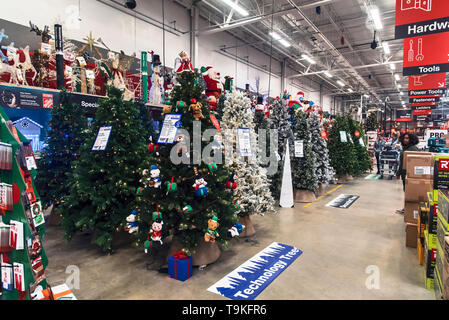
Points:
(419, 181)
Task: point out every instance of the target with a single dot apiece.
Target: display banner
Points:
(404, 115)
(427, 84)
(434, 133)
(424, 118)
(343, 201)
(421, 17)
(427, 54)
(424, 99)
(253, 276)
(40, 99)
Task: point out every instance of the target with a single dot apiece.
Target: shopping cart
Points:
(389, 162)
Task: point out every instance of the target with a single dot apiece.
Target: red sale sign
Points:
(419, 104)
(421, 17)
(427, 84)
(422, 112)
(429, 54)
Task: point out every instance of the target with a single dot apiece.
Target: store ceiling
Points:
(364, 70)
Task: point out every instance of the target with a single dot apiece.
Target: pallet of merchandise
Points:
(422, 218)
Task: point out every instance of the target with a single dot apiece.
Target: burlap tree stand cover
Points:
(322, 189)
(206, 252)
(249, 227)
(345, 178)
(304, 195)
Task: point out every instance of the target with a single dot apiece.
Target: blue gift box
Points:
(180, 268)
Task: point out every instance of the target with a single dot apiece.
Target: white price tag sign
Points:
(81, 61)
(244, 142)
(169, 128)
(343, 136)
(90, 74)
(362, 143)
(31, 162)
(46, 48)
(68, 71)
(102, 139)
(299, 148)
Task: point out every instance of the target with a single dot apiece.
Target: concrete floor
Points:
(338, 245)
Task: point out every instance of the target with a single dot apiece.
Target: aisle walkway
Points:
(338, 246)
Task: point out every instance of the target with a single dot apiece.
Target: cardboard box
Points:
(411, 212)
(419, 166)
(411, 235)
(416, 189)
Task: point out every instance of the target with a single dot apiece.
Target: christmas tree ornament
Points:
(152, 147)
(199, 185)
(180, 105)
(235, 230)
(212, 233)
(166, 109)
(231, 184)
(155, 179)
(212, 167)
(196, 108)
(171, 186)
(181, 145)
(357, 133)
(131, 222)
(187, 209)
(155, 233)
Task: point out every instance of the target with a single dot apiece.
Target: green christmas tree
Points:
(342, 156)
(304, 177)
(103, 186)
(20, 209)
(68, 132)
(359, 145)
(182, 200)
(371, 123)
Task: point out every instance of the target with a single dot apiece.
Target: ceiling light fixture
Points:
(241, 22)
(285, 43)
(308, 59)
(236, 7)
(401, 93)
(350, 90)
(386, 47)
(340, 83)
(327, 74)
(399, 86)
(396, 77)
(392, 66)
(375, 15)
(275, 36)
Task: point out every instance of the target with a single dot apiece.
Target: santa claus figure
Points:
(183, 63)
(214, 86)
(260, 106)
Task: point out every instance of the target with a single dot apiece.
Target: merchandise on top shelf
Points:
(419, 166)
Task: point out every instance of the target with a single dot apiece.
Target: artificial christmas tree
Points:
(279, 121)
(253, 191)
(200, 192)
(104, 182)
(304, 178)
(324, 172)
(341, 149)
(360, 148)
(22, 257)
(371, 123)
(68, 132)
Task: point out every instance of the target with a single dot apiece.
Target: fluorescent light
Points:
(366, 96)
(401, 93)
(340, 83)
(350, 90)
(307, 58)
(275, 36)
(398, 85)
(396, 77)
(285, 43)
(375, 15)
(241, 22)
(386, 47)
(236, 7)
(328, 74)
(392, 66)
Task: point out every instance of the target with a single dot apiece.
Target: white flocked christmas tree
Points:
(323, 169)
(253, 187)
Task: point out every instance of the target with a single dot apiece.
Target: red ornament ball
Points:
(357, 134)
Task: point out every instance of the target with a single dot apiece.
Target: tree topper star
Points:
(90, 41)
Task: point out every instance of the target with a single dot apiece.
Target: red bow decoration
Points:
(180, 255)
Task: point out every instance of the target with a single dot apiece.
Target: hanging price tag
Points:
(81, 61)
(362, 143)
(343, 136)
(11, 51)
(244, 142)
(102, 138)
(19, 277)
(299, 148)
(169, 128)
(68, 71)
(16, 235)
(7, 276)
(46, 48)
(90, 74)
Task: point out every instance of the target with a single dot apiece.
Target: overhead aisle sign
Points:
(427, 84)
(421, 17)
(404, 115)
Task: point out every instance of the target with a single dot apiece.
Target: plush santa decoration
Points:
(183, 63)
(259, 106)
(214, 86)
